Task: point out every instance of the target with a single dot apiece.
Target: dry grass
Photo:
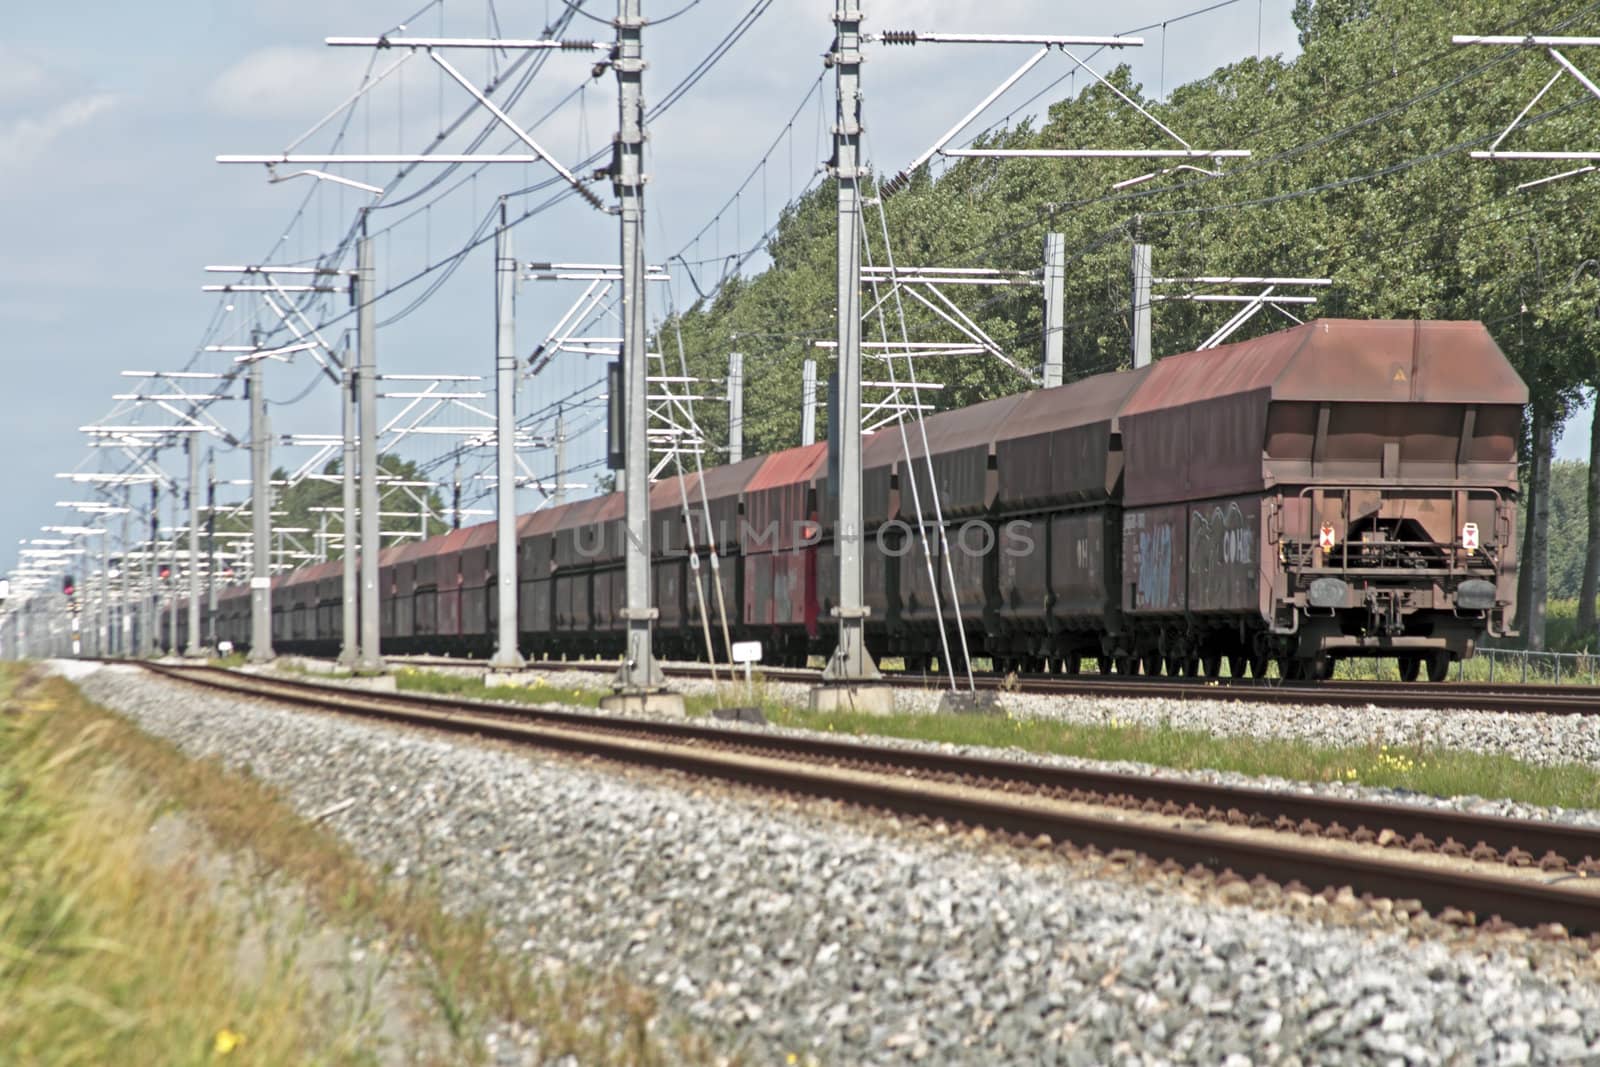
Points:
(54, 742)
(105, 956)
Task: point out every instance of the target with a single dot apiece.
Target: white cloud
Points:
(25, 139)
(22, 77)
(287, 82)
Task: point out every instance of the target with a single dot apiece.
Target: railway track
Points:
(1463, 696)
(1525, 872)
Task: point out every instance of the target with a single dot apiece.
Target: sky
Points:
(111, 203)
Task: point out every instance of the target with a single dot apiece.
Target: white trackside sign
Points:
(747, 652)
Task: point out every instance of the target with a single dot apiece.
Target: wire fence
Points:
(1530, 668)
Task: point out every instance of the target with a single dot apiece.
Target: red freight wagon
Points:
(478, 597)
(947, 471)
(1313, 494)
(669, 553)
(609, 581)
(1058, 523)
(536, 586)
(779, 539)
(577, 542)
(719, 501)
(397, 582)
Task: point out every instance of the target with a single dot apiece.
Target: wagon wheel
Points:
(1191, 667)
(1290, 668)
(1319, 669)
(1438, 666)
(1071, 663)
(1236, 665)
(1211, 664)
(1102, 664)
(1127, 664)
(1152, 663)
(1258, 665)
(1410, 667)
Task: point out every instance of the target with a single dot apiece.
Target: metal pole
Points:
(639, 674)
(147, 607)
(506, 656)
(455, 494)
(193, 648)
(1141, 306)
(808, 402)
(104, 636)
(850, 661)
(124, 616)
(211, 550)
(76, 607)
(735, 407)
(1055, 298)
(350, 588)
(260, 520)
(560, 494)
(172, 580)
(368, 660)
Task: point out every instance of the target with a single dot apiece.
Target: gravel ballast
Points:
(1542, 739)
(785, 930)
(1528, 738)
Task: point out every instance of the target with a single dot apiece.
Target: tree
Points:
(1591, 555)
(1359, 172)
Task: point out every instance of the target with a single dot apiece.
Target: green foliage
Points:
(1569, 532)
(1562, 633)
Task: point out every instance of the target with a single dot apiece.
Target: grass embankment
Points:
(1422, 769)
(1435, 771)
(106, 958)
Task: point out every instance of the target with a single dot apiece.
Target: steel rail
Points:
(1507, 697)
(1574, 842)
(984, 792)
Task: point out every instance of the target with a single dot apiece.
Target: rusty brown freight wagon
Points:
(1343, 488)
(1058, 560)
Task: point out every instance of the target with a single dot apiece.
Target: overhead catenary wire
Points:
(927, 455)
(484, 231)
(1340, 183)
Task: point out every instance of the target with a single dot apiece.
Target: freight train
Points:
(1343, 488)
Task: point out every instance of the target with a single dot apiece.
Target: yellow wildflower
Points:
(227, 1040)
